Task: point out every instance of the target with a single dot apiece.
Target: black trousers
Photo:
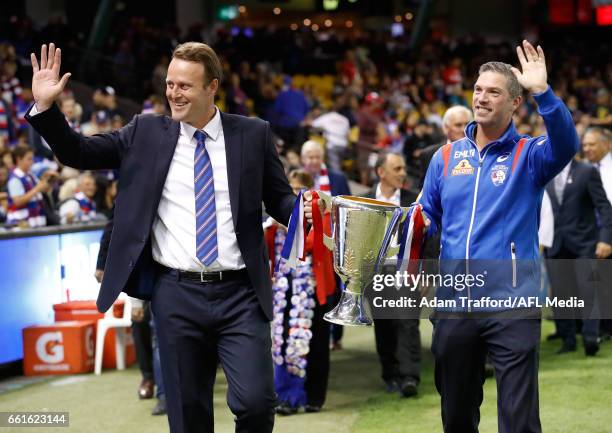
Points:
(199, 325)
(570, 275)
(141, 332)
(398, 343)
(460, 347)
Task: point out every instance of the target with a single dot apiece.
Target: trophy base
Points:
(350, 311)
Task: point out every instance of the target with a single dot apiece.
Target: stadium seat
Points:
(120, 324)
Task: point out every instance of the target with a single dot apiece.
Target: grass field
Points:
(575, 396)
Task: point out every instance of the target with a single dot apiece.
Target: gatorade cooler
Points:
(87, 310)
(60, 348)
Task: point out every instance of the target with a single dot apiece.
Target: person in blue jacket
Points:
(484, 193)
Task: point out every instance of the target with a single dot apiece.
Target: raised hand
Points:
(533, 78)
(46, 83)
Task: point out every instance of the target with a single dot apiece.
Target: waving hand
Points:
(46, 82)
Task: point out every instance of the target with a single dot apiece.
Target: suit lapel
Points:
(550, 189)
(570, 179)
(233, 154)
(165, 152)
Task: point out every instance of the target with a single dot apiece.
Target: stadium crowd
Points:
(360, 97)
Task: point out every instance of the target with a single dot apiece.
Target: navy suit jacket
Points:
(142, 151)
(576, 218)
(338, 183)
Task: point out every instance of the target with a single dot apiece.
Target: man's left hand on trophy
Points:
(308, 207)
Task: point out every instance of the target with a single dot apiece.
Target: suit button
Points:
(237, 233)
(131, 263)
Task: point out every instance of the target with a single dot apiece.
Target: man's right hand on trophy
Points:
(46, 82)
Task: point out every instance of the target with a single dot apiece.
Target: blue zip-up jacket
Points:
(488, 203)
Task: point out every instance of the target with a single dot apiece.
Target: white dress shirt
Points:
(174, 227)
(560, 181)
(394, 199)
(605, 171)
(546, 231)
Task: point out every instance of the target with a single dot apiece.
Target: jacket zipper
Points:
(469, 235)
(513, 253)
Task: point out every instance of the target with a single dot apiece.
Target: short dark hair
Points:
(383, 155)
(201, 53)
(514, 87)
(20, 151)
(302, 177)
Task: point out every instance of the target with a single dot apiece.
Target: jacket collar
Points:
(510, 135)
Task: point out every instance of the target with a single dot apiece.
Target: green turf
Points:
(575, 397)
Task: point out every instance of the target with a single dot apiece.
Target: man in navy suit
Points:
(583, 231)
(187, 232)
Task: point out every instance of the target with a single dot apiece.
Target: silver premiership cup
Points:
(362, 230)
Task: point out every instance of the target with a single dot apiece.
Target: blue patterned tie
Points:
(206, 215)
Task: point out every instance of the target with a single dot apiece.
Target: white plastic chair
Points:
(119, 324)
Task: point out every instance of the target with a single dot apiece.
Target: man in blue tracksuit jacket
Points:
(484, 192)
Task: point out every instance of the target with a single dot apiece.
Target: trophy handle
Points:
(327, 199)
(393, 250)
(405, 211)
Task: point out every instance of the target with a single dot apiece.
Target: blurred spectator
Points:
(248, 79)
(81, 207)
(71, 111)
(335, 128)
(602, 113)
(265, 97)
(330, 181)
(6, 122)
(293, 160)
(117, 122)
(235, 98)
(106, 191)
(289, 110)
(124, 62)
(158, 77)
(369, 120)
(596, 144)
(103, 99)
(454, 121)
(69, 107)
(6, 158)
(25, 199)
(415, 144)
(4, 174)
(154, 104)
(100, 123)
(49, 194)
